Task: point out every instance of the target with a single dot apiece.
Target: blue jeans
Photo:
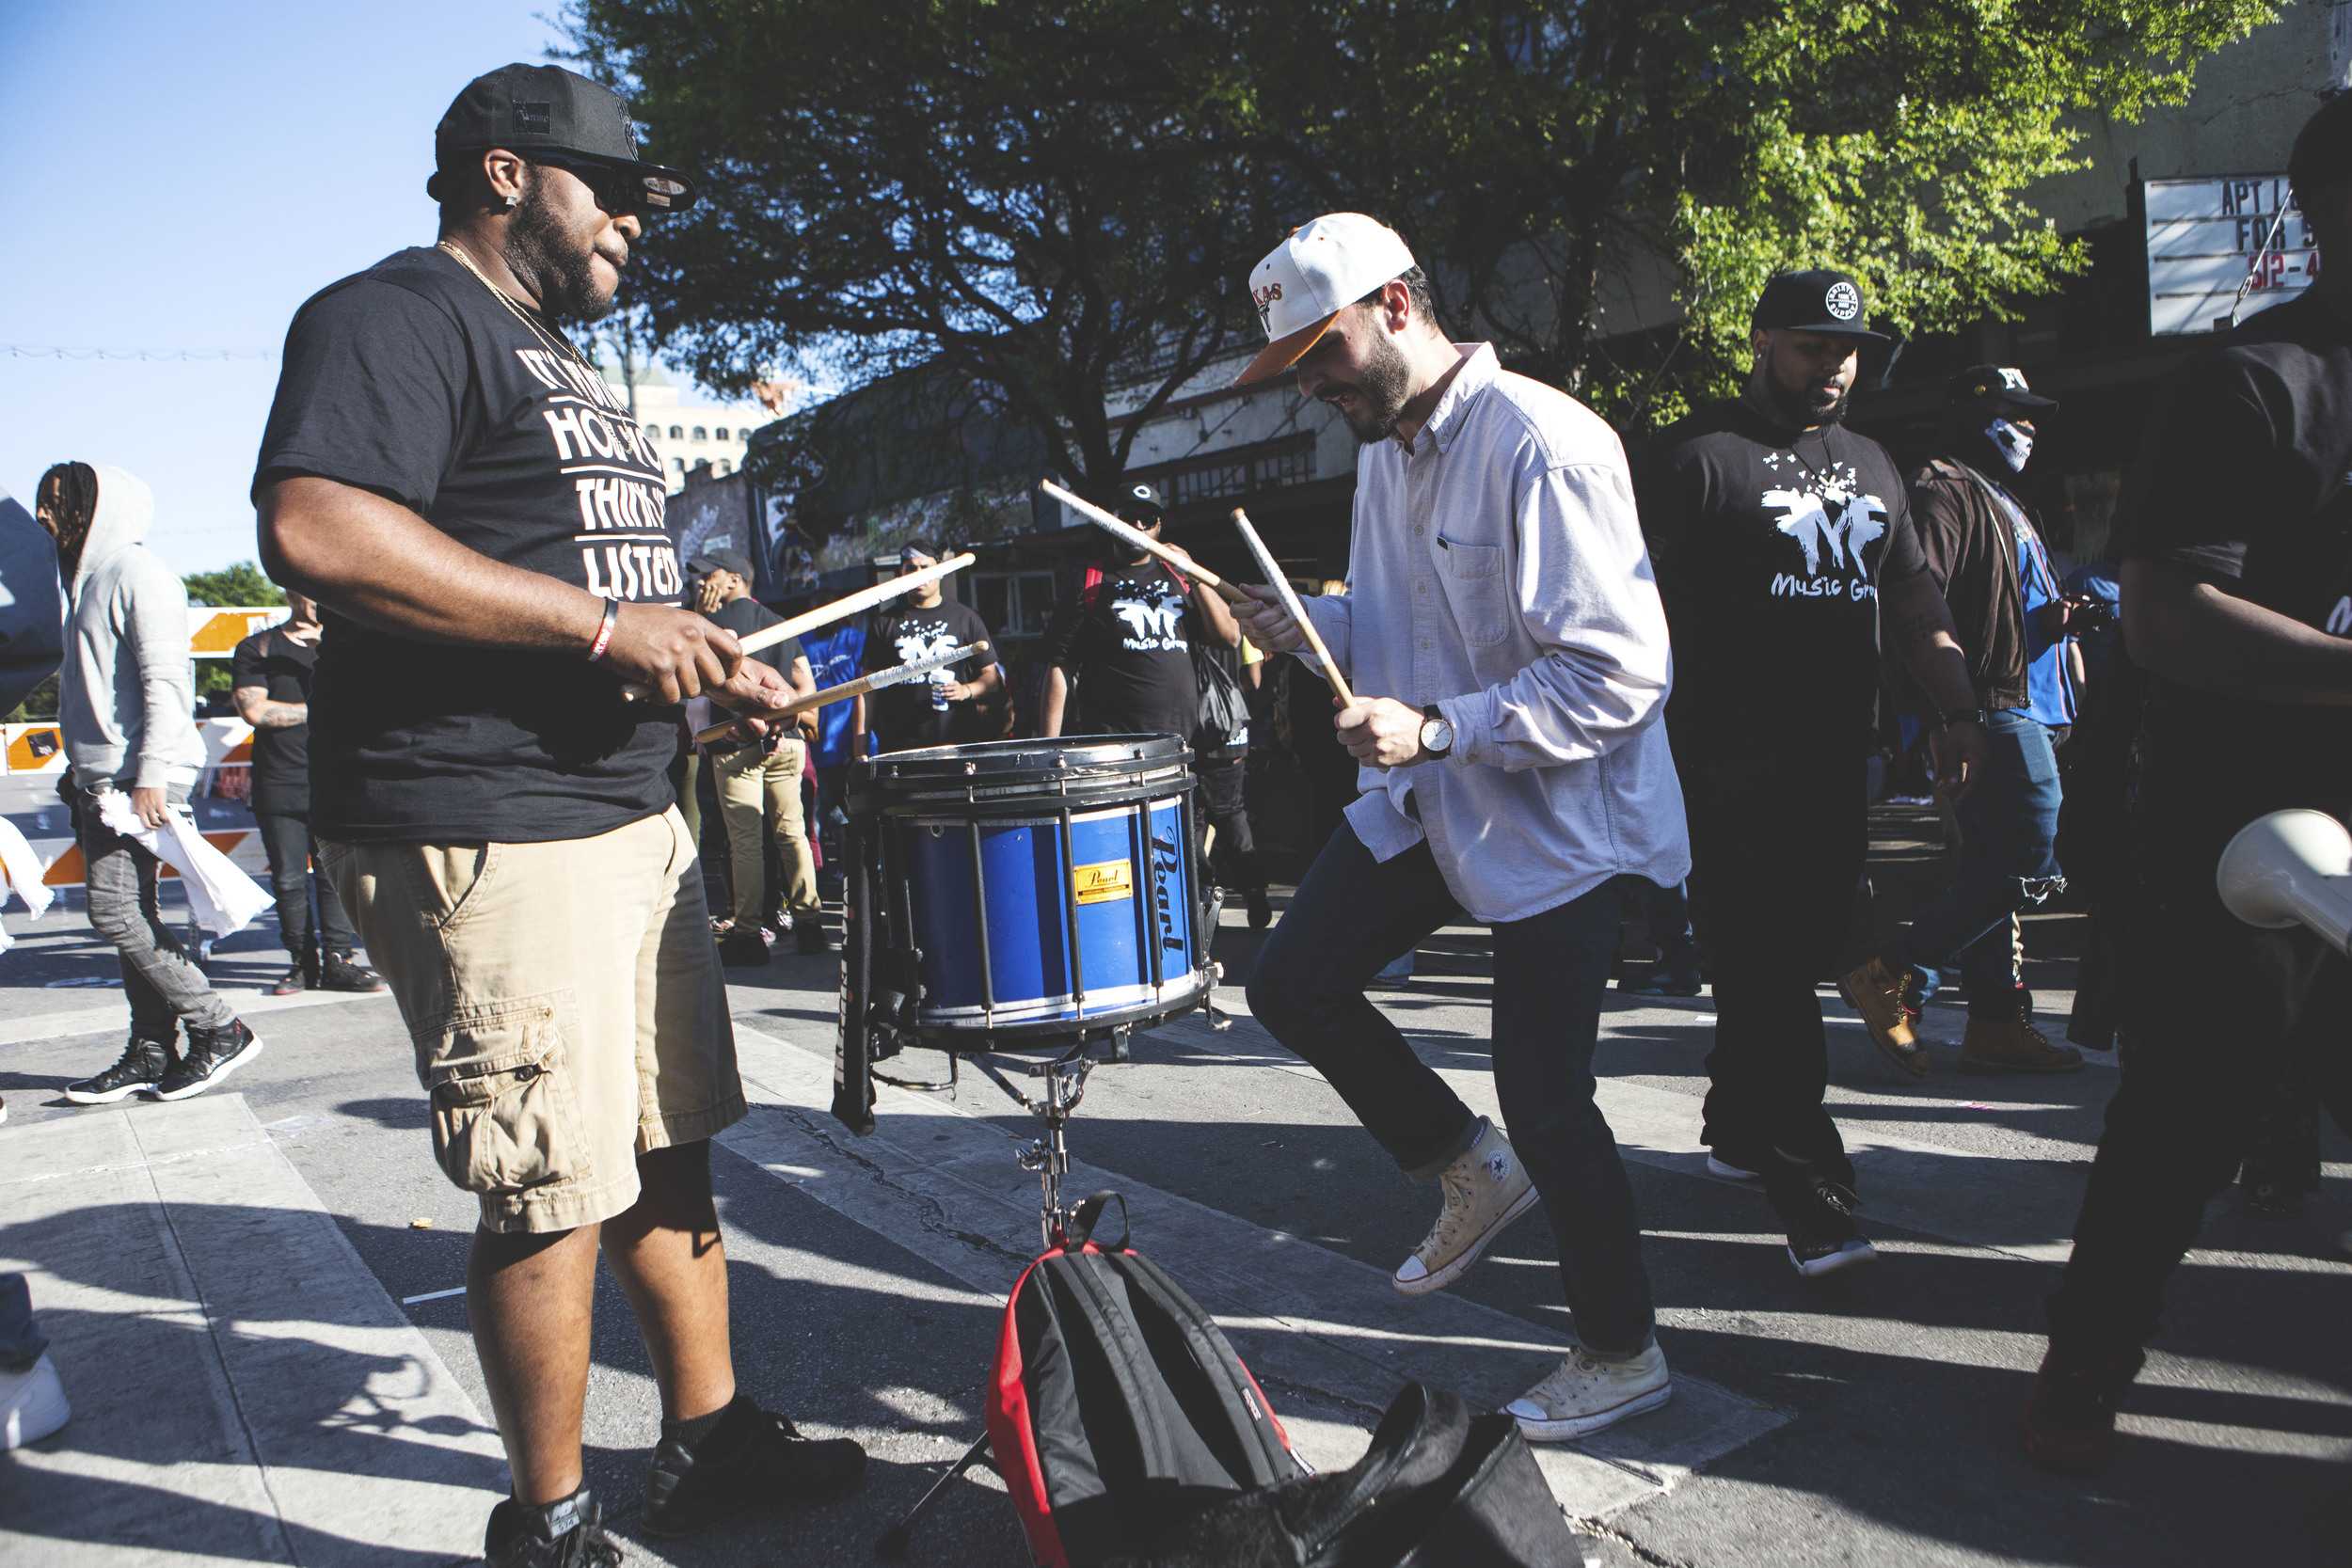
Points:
(1353, 914)
(2007, 863)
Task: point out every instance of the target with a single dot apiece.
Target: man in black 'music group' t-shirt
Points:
(951, 706)
(270, 678)
(484, 522)
(2234, 535)
(1120, 648)
(1782, 541)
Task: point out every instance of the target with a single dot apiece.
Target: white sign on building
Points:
(2209, 238)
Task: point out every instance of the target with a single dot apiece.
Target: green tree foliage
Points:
(233, 587)
(1046, 194)
(1048, 197)
(1538, 147)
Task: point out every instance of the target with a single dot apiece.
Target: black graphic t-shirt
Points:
(2244, 480)
(1770, 550)
(901, 717)
(1124, 637)
(412, 380)
(283, 668)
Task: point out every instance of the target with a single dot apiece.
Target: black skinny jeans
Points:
(1352, 916)
(1234, 853)
(286, 839)
(1777, 850)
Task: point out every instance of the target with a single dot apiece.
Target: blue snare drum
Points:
(1043, 888)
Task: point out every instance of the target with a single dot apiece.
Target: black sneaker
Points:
(565, 1534)
(1823, 1237)
(341, 972)
(213, 1055)
(753, 1456)
(142, 1066)
(1261, 908)
(809, 931)
(743, 948)
(296, 980)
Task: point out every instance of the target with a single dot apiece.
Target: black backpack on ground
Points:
(1438, 1488)
(1117, 1408)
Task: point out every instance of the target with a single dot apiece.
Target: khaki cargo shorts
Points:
(565, 1002)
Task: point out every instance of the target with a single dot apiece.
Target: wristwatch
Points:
(1964, 716)
(1437, 732)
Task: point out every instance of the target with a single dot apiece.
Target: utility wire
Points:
(44, 351)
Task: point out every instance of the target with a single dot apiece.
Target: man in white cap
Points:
(1508, 653)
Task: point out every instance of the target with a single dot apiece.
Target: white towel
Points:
(222, 897)
(21, 870)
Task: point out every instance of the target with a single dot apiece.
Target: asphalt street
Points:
(255, 1297)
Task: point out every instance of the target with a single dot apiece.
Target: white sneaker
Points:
(32, 1404)
(1585, 1393)
(1485, 1189)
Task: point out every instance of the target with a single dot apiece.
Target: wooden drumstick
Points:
(846, 690)
(826, 614)
(1126, 532)
(1282, 586)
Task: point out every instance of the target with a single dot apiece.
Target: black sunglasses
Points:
(617, 193)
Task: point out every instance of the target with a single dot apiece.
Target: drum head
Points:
(992, 773)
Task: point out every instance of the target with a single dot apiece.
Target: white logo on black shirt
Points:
(919, 645)
(2340, 618)
(1153, 622)
(1831, 523)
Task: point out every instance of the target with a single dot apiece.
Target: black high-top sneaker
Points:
(142, 1066)
(341, 972)
(1823, 1236)
(213, 1055)
(565, 1534)
(753, 1456)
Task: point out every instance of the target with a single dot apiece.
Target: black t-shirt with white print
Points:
(901, 717)
(2244, 480)
(412, 380)
(1770, 550)
(1125, 637)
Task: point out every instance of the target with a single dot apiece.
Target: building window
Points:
(1014, 604)
(722, 432)
(700, 435)
(678, 433)
(719, 469)
(1269, 464)
(677, 465)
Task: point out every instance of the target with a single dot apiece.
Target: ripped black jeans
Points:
(2007, 863)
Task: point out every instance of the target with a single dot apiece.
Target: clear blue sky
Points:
(181, 177)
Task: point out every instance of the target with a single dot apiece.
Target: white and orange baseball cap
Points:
(1311, 278)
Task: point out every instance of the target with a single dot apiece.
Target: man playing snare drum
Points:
(1508, 650)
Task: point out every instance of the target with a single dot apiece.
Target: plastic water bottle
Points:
(940, 681)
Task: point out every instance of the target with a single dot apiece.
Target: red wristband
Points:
(604, 630)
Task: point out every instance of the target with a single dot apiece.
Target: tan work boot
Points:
(1876, 992)
(2014, 1045)
(1485, 1189)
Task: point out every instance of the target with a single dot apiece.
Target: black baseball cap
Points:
(536, 109)
(1140, 504)
(1821, 299)
(1996, 386)
(721, 561)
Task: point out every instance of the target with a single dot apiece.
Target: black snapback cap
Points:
(1996, 387)
(1821, 299)
(1139, 502)
(547, 109)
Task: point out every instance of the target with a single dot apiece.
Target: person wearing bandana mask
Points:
(1986, 555)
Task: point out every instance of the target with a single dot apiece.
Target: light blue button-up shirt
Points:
(1496, 569)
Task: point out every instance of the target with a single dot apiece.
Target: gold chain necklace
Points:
(515, 307)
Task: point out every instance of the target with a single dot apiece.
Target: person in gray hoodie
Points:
(127, 706)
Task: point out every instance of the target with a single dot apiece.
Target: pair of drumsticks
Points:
(1127, 532)
(1118, 528)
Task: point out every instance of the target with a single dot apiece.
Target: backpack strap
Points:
(1081, 1222)
(1252, 1438)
